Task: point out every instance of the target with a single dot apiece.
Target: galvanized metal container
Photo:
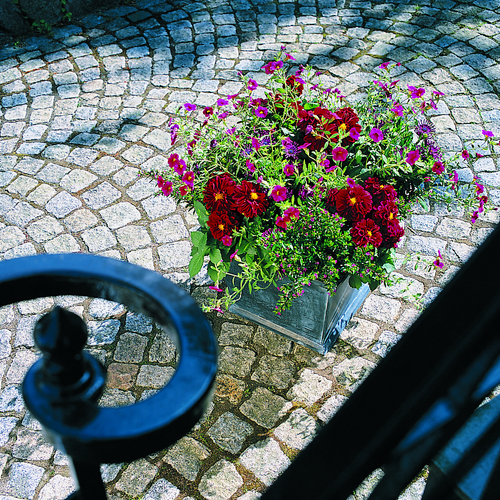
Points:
(315, 320)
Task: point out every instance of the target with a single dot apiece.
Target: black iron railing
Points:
(62, 388)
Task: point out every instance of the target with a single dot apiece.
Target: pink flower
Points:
(222, 116)
(255, 144)
(438, 262)
(487, 133)
(279, 193)
(281, 222)
(252, 85)
(216, 288)
(272, 66)
(376, 135)
(292, 212)
(222, 102)
(416, 93)
(188, 179)
(438, 167)
(384, 65)
(354, 134)
(165, 186)
(289, 169)
(398, 110)
(412, 157)
(261, 112)
(180, 167)
(189, 106)
(233, 255)
(436, 92)
(339, 154)
(465, 154)
(250, 166)
(227, 240)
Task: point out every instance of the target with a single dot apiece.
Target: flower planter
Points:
(315, 320)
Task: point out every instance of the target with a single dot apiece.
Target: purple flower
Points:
(354, 134)
(416, 93)
(250, 166)
(290, 148)
(289, 169)
(339, 154)
(227, 241)
(279, 193)
(222, 102)
(255, 143)
(252, 85)
(376, 135)
(438, 262)
(261, 112)
(487, 133)
(189, 106)
(224, 115)
(398, 110)
(412, 157)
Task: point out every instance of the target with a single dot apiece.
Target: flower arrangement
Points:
(295, 184)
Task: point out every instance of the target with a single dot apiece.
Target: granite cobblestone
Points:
(81, 113)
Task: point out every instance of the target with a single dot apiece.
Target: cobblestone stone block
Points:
(265, 459)
(309, 388)
(298, 430)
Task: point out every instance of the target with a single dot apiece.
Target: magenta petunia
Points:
(292, 212)
(416, 93)
(412, 157)
(222, 102)
(250, 166)
(376, 135)
(189, 106)
(398, 110)
(354, 134)
(438, 262)
(223, 116)
(180, 167)
(384, 65)
(487, 133)
(279, 193)
(339, 154)
(227, 241)
(438, 167)
(188, 179)
(465, 154)
(255, 144)
(252, 84)
(261, 112)
(289, 169)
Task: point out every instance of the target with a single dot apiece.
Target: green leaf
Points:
(215, 255)
(199, 239)
(355, 281)
(201, 212)
(195, 264)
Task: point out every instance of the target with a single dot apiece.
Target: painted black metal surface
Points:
(61, 394)
(415, 399)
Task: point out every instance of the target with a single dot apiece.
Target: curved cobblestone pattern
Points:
(83, 110)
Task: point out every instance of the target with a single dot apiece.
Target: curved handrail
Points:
(130, 432)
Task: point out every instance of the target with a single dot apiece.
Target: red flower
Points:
(353, 203)
(380, 192)
(217, 193)
(249, 199)
(292, 82)
(385, 213)
(330, 199)
(345, 119)
(392, 233)
(221, 224)
(366, 232)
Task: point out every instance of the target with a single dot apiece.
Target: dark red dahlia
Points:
(353, 203)
(366, 232)
(217, 192)
(385, 213)
(392, 233)
(249, 199)
(221, 224)
(380, 192)
(345, 119)
(330, 199)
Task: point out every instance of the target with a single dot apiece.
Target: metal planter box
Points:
(315, 319)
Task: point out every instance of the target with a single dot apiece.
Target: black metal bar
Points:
(455, 329)
(62, 388)
(89, 480)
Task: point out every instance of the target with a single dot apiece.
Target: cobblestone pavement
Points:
(83, 110)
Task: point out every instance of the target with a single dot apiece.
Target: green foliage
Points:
(42, 26)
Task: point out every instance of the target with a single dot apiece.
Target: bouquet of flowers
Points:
(295, 184)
